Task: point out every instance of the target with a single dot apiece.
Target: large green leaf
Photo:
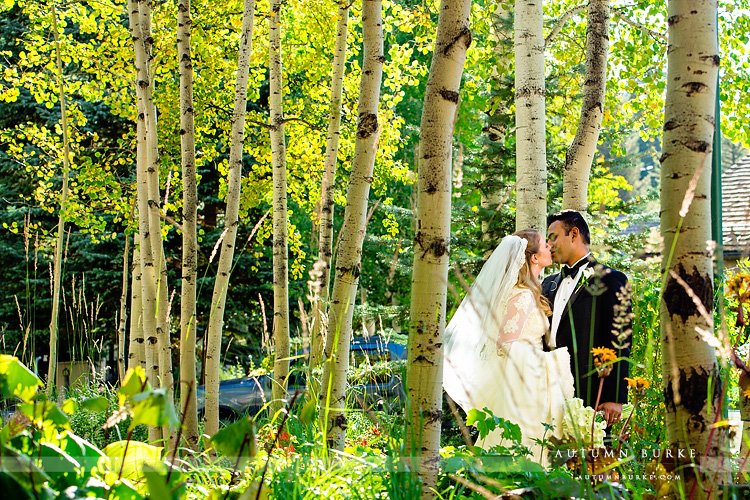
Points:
(153, 408)
(42, 411)
(16, 379)
(138, 454)
(12, 488)
(61, 467)
(236, 440)
(135, 383)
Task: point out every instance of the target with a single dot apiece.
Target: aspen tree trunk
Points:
(691, 376)
(325, 249)
(122, 327)
(137, 346)
(349, 253)
(231, 221)
(501, 31)
(57, 273)
(531, 153)
(189, 229)
(144, 155)
(280, 245)
(580, 155)
(431, 242)
(164, 349)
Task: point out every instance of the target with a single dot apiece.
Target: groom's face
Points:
(560, 244)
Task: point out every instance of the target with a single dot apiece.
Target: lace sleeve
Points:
(513, 320)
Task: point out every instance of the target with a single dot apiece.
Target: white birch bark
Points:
(531, 153)
(431, 242)
(280, 244)
(188, 385)
(231, 222)
(57, 273)
(137, 344)
(325, 248)
(144, 154)
(349, 253)
(691, 376)
(580, 155)
(123, 322)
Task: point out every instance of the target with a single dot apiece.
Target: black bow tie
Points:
(571, 272)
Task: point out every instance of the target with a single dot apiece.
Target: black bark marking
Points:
(464, 33)
(673, 20)
(368, 125)
(380, 59)
(431, 189)
(430, 417)
(694, 87)
(340, 421)
(693, 391)
(698, 146)
(440, 247)
(449, 95)
(670, 125)
(677, 300)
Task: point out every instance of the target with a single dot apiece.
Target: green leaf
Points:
(156, 483)
(153, 408)
(138, 454)
(135, 383)
(70, 406)
(97, 404)
(236, 440)
(16, 379)
(43, 411)
(60, 466)
(12, 488)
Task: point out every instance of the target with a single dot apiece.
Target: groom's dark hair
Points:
(571, 219)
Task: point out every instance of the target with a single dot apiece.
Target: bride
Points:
(493, 345)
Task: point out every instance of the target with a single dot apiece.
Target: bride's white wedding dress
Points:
(494, 354)
(533, 384)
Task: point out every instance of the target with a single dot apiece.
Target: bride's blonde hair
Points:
(526, 278)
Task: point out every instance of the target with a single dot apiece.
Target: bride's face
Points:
(543, 256)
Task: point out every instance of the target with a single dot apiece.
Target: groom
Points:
(584, 301)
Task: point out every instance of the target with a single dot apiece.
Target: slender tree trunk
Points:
(231, 222)
(189, 229)
(164, 349)
(280, 245)
(122, 326)
(137, 346)
(57, 273)
(691, 376)
(431, 242)
(349, 253)
(144, 154)
(325, 249)
(580, 155)
(531, 153)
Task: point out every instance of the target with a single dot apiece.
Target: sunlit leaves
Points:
(16, 379)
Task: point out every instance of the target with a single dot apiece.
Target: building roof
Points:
(735, 207)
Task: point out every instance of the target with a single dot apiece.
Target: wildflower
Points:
(603, 358)
(746, 393)
(638, 384)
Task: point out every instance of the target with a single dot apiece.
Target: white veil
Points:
(472, 369)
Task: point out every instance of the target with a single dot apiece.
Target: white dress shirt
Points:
(564, 291)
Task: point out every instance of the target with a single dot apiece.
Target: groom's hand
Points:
(612, 412)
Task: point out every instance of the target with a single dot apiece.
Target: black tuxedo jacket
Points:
(588, 322)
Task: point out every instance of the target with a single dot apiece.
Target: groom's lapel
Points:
(579, 286)
(556, 279)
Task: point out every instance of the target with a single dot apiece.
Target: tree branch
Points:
(638, 26)
(561, 22)
(298, 119)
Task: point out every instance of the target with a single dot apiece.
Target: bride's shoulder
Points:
(519, 293)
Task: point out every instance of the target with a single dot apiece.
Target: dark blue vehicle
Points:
(250, 394)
